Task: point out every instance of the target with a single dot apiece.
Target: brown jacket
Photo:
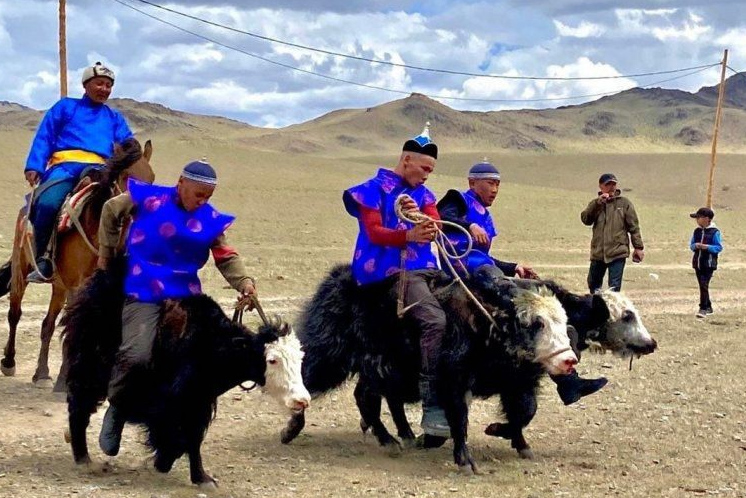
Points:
(114, 217)
(614, 225)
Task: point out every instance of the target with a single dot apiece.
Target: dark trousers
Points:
(139, 322)
(598, 269)
(703, 279)
(428, 316)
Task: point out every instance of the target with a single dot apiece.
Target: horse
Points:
(75, 255)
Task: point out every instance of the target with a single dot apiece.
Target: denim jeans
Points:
(598, 269)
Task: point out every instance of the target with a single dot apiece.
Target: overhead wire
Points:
(695, 70)
(410, 66)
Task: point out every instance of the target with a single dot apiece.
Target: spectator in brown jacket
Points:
(615, 224)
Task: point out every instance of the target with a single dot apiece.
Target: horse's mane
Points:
(125, 155)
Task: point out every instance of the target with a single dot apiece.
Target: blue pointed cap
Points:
(422, 144)
(484, 171)
(200, 171)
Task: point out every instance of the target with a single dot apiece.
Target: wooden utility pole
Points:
(718, 117)
(63, 50)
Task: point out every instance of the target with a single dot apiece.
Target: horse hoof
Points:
(45, 383)
(210, 485)
(8, 371)
(67, 436)
(526, 454)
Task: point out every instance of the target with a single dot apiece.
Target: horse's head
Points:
(129, 160)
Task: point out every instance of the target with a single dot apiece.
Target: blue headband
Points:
(200, 171)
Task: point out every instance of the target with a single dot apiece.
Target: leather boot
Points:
(434, 421)
(571, 387)
(111, 431)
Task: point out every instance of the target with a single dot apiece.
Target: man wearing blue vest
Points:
(75, 134)
(469, 209)
(388, 246)
(172, 234)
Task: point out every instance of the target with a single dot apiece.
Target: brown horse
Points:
(74, 258)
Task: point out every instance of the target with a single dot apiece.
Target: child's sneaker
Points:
(701, 314)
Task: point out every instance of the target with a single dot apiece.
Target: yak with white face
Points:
(284, 380)
(623, 333)
(541, 310)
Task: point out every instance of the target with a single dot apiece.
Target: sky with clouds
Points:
(157, 62)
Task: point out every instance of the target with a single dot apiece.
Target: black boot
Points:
(45, 271)
(571, 387)
(111, 431)
(434, 421)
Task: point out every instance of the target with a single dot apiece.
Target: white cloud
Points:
(691, 30)
(584, 30)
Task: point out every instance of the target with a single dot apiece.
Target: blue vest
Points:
(702, 259)
(475, 213)
(167, 245)
(371, 262)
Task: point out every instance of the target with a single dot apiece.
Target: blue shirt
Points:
(76, 124)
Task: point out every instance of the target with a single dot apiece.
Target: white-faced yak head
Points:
(623, 333)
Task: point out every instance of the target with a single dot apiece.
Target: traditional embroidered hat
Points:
(484, 171)
(422, 144)
(200, 171)
(97, 69)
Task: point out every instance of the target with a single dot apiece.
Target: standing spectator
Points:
(706, 244)
(614, 223)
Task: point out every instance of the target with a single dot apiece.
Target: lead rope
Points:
(247, 302)
(28, 230)
(441, 242)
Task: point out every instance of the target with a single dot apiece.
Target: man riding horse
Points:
(74, 136)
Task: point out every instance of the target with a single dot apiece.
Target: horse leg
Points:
(41, 377)
(369, 404)
(17, 290)
(520, 408)
(403, 428)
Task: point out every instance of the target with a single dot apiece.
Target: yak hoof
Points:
(526, 454)
(8, 371)
(466, 470)
(209, 485)
(45, 383)
(393, 449)
(84, 460)
(409, 443)
(364, 426)
(66, 435)
(427, 441)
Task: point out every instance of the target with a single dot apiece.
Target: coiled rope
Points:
(443, 244)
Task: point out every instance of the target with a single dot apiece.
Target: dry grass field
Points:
(673, 426)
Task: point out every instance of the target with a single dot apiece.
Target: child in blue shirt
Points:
(706, 244)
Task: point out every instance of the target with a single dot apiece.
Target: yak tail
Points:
(5, 276)
(327, 335)
(93, 332)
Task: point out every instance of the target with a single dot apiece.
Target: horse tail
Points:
(5, 277)
(92, 334)
(326, 333)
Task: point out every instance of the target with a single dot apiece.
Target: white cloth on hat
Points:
(97, 69)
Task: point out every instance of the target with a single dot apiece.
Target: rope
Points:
(28, 229)
(418, 217)
(248, 303)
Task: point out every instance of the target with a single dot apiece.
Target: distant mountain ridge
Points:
(640, 119)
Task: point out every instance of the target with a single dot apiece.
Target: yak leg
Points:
(457, 413)
(195, 431)
(41, 377)
(79, 416)
(294, 426)
(369, 405)
(403, 429)
(520, 408)
(60, 385)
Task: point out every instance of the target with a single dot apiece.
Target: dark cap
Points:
(703, 212)
(422, 144)
(606, 178)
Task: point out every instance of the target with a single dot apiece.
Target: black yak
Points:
(198, 355)
(347, 329)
